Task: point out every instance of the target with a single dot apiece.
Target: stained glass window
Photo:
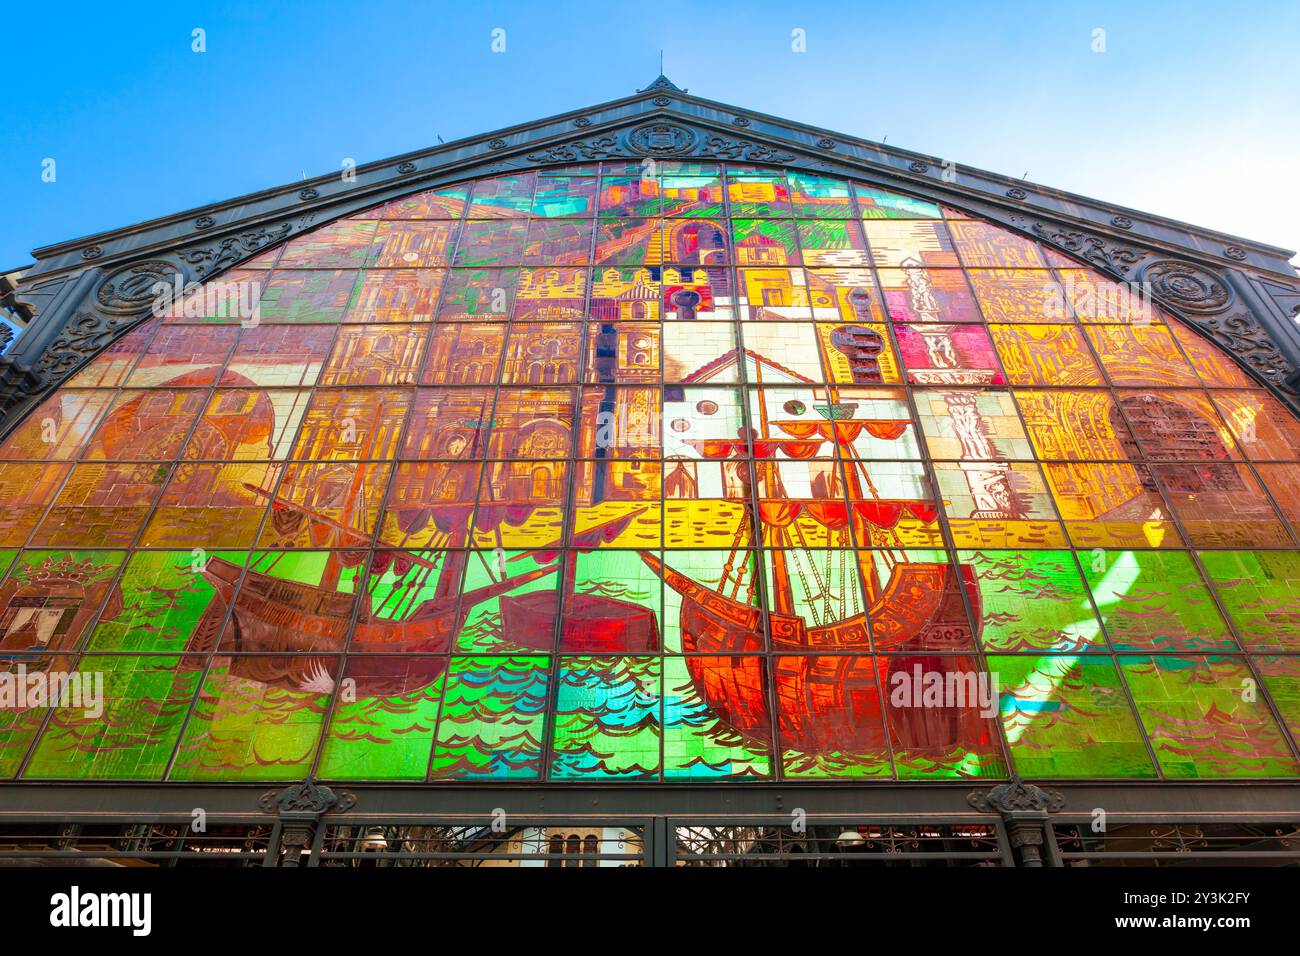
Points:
(711, 472)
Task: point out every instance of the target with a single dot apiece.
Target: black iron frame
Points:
(288, 827)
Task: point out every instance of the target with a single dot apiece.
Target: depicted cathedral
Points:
(665, 451)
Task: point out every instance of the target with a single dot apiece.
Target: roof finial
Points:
(662, 82)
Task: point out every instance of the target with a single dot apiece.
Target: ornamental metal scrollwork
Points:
(1016, 193)
(306, 798)
(1093, 248)
(1016, 796)
(204, 222)
(1241, 335)
(598, 148)
(133, 289)
(1186, 286)
(722, 148)
(1121, 222)
(81, 339)
(309, 193)
(92, 252)
(208, 260)
(406, 167)
(663, 83)
(660, 139)
(1235, 252)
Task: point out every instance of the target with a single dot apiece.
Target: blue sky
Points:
(1192, 111)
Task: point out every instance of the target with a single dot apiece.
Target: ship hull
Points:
(297, 631)
(591, 624)
(829, 698)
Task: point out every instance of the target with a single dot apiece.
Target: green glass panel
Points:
(697, 745)
(125, 724)
(492, 721)
(1034, 601)
(1282, 678)
(386, 735)
(1154, 600)
(607, 719)
(1066, 716)
(1261, 592)
(877, 203)
(167, 601)
(1205, 718)
(254, 729)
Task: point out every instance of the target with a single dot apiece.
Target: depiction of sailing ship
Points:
(299, 627)
(829, 698)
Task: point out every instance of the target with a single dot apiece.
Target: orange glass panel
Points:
(1140, 355)
(1111, 505)
(1045, 355)
(1265, 430)
(101, 505)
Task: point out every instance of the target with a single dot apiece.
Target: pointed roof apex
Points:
(663, 83)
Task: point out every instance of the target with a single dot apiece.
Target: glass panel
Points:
(396, 295)
(126, 723)
(1068, 717)
(317, 295)
(607, 716)
(924, 245)
(1020, 295)
(1200, 723)
(412, 245)
(387, 734)
(699, 742)
(256, 718)
(1155, 600)
(491, 726)
(1033, 601)
(58, 427)
(1045, 355)
(1260, 591)
(916, 294)
(877, 203)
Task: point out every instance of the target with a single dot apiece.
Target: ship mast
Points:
(783, 591)
(333, 567)
(867, 572)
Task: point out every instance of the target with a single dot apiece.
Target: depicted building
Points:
(656, 483)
